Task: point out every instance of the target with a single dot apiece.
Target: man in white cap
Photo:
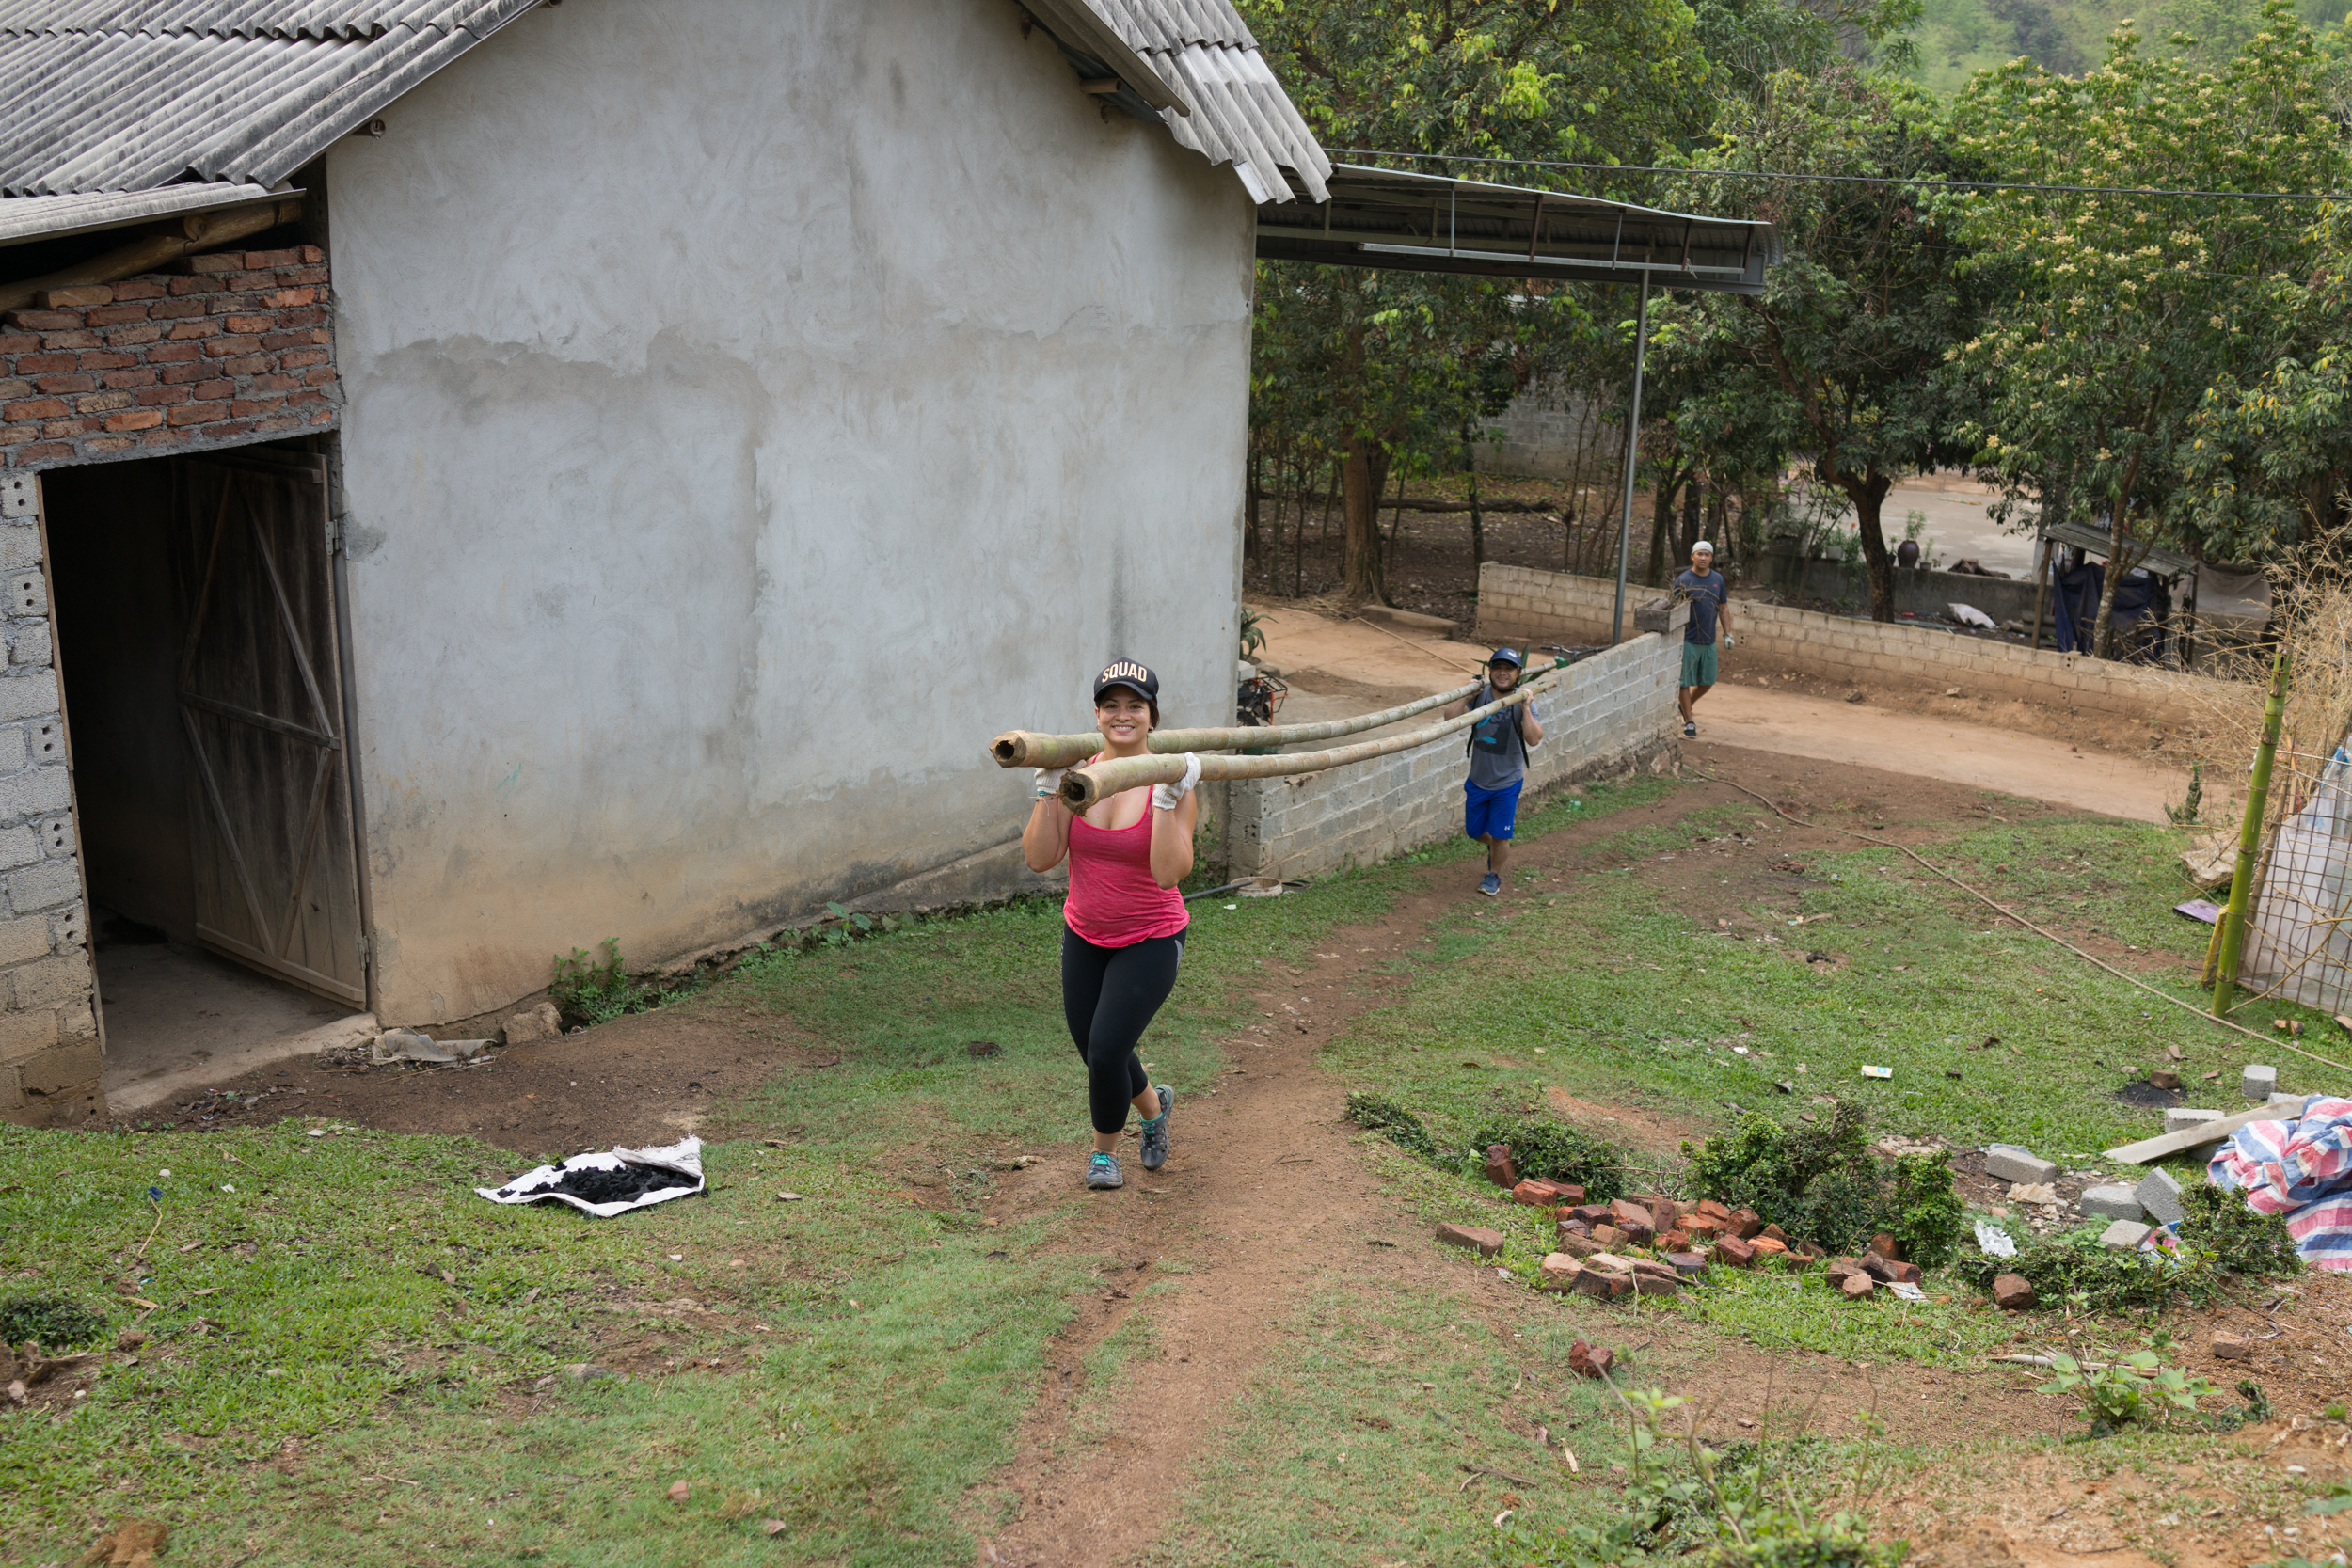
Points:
(1710, 598)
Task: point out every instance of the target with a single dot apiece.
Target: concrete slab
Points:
(2009, 1163)
(2160, 1196)
(2111, 1203)
(2258, 1083)
(2123, 1235)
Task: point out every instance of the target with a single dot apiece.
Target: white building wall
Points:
(751, 410)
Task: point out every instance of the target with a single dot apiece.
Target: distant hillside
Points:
(1960, 36)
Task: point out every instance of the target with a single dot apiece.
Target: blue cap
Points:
(1508, 655)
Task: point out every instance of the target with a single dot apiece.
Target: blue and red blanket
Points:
(2301, 1168)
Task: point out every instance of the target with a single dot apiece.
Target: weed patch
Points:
(1820, 1184)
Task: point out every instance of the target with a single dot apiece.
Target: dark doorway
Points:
(196, 623)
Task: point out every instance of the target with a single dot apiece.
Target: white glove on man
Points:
(1049, 782)
(1165, 796)
(1726, 639)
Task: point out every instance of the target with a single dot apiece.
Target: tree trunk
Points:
(1662, 515)
(1694, 494)
(1363, 471)
(1867, 491)
(1478, 524)
(2118, 513)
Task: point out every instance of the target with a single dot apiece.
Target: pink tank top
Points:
(1112, 900)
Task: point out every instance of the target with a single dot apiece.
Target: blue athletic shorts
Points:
(1490, 813)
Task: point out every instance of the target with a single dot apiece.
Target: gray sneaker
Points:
(1156, 1132)
(1103, 1173)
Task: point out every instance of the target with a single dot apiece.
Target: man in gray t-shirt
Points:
(1498, 763)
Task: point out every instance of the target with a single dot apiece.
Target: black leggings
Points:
(1110, 994)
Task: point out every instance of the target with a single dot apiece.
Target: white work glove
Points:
(1165, 796)
(1049, 783)
(1726, 639)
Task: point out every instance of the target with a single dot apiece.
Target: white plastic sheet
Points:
(685, 1158)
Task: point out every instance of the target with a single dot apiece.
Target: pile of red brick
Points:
(223, 349)
(1689, 1235)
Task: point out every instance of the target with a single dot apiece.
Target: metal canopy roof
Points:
(1380, 217)
(49, 217)
(2093, 541)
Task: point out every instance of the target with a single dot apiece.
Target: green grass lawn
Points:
(354, 1359)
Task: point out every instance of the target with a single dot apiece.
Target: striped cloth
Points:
(2300, 1169)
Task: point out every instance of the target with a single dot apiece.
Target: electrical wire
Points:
(2012, 914)
(1847, 178)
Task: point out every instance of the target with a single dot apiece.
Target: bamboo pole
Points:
(2250, 837)
(1027, 748)
(1081, 787)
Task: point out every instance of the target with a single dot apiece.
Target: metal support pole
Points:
(1632, 448)
(2249, 838)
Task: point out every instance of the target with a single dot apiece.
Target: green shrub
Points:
(2074, 1268)
(589, 991)
(2234, 1238)
(2136, 1390)
(1377, 1113)
(1557, 1153)
(52, 1321)
(1820, 1184)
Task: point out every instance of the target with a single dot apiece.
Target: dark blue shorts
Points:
(1490, 813)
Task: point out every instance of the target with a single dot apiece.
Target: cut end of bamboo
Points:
(1009, 748)
(1079, 790)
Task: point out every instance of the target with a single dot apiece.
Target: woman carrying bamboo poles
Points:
(1125, 921)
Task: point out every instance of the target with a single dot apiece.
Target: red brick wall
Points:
(222, 349)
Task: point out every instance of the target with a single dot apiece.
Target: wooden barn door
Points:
(261, 698)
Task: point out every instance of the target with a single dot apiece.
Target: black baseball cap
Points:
(1127, 672)
(1508, 655)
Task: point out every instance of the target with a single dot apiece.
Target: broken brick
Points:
(1652, 1285)
(1886, 1247)
(1774, 1232)
(1734, 1253)
(1690, 1265)
(1595, 1213)
(1474, 1238)
(1625, 1211)
(1877, 1267)
(1559, 1271)
(1712, 1209)
(1902, 1273)
(1537, 1193)
(1857, 1285)
(1635, 1234)
(1600, 1283)
(1746, 1223)
(2012, 1292)
(1499, 1167)
(1768, 1250)
(1607, 1235)
(1576, 1245)
(1793, 1261)
(1588, 1360)
(2232, 1347)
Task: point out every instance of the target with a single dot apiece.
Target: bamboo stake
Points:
(2250, 837)
(1081, 787)
(1027, 748)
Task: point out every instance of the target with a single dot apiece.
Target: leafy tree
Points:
(2129, 308)
(1397, 359)
(1841, 358)
(2269, 460)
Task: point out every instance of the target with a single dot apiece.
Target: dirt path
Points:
(1930, 746)
(1255, 1237)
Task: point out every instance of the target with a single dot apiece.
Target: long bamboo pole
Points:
(1027, 748)
(1081, 787)
(2250, 837)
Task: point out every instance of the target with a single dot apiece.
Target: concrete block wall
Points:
(1531, 604)
(1603, 713)
(49, 1041)
(225, 349)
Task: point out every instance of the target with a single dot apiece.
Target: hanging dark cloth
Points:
(2076, 603)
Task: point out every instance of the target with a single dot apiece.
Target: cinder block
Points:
(28, 643)
(2160, 1196)
(2258, 1083)
(20, 547)
(2113, 1203)
(29, 593)
(2181, 1116)
(49, 982)
(2009, 1163)
(61, 1067)
(44, 885)
(32, 694)
(2123, 1235)
(24, 940)
(23, 1035)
